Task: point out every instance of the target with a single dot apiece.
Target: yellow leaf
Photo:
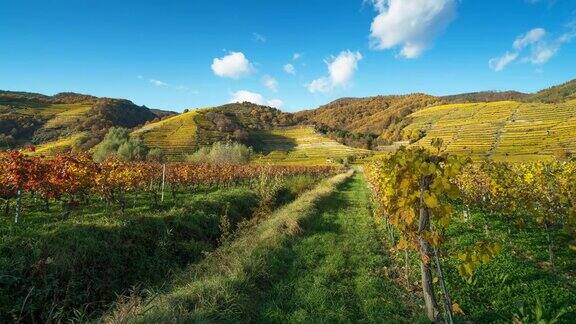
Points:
(434, 280)
(430, 200)
(573, 247)
(457, 310)
(468, 269)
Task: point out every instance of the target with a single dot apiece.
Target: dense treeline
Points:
(359, 140)
(14, 127)
(486, 96)
(559, 93)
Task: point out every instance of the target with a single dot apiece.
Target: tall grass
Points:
(222, 286)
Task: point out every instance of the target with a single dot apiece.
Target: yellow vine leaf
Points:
(457, 309)
(431, 201)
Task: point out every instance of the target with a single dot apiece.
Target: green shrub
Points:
(223, 153)
(119, 143)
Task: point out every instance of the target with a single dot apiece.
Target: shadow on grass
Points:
(73, 268)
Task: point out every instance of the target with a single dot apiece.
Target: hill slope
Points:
(64, 120)
(559, 93)
(501, 130)
(301, 145)
(488, 124)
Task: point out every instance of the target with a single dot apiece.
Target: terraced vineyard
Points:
(501, 130)
(61, 145)
(302, 145)
(175, 135)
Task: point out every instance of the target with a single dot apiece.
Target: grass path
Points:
(319, 259)
(333, 272)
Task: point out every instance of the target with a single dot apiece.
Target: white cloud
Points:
(255, 98)
(234, 65)
(276, 103)
(534, 47)
(542, 53)
(162, 84)
(529, 38)
(258, 38)
(411, 25)
(343, 67)
(158, 83)
(319, 85)
(341, 70)
(289, 68)
(499, 63)
(296, 56)
(270, 83)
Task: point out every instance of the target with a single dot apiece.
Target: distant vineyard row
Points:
(72, 178)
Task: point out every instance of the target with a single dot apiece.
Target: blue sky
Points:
(187, 54)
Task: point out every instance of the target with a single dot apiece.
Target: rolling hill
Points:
(184, 133)
(64, 121)
(501, 125)
(272, 133)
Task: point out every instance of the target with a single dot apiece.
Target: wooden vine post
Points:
(426, 254)
(163, 181)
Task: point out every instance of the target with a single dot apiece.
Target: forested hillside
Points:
(79, 121)
(358, 121)
(559, 93)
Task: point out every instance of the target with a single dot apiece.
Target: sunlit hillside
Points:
(302, 145)
(64, 144)
(500, 130)
(175, 135)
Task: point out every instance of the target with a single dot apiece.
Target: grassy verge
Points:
(225, 285)
(55, 268)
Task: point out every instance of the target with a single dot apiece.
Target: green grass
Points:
(333, 272)
(519, 277)
(227, 284)
(52, 265)
(55, 267)
(318, 259)
(301, 145)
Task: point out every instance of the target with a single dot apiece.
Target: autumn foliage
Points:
(74, 178)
